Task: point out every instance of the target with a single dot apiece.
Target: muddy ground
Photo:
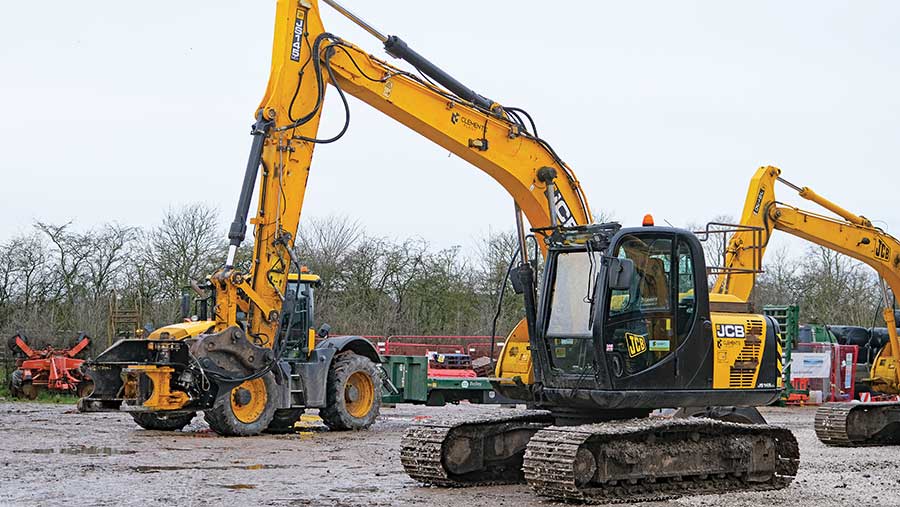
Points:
(51, 455)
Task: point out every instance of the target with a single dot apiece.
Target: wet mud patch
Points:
(78, 450)
(153, 469)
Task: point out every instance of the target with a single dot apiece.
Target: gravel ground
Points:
(51, 455)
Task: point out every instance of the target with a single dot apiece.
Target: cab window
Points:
(569, 326)
(687, 302)
(640, 322)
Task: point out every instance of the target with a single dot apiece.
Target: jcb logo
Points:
(563, 213)
(759, 200)
(730, 331)
(882, 251)
(297, 35)
(637, 344)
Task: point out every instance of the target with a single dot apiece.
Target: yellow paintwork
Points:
(852, 235)
(511, 159)
(162, 398)
(305, 278)
(515, 360)
(884, 376)
(737, 359)
(248, 413)
(310, 341)
(182, 330)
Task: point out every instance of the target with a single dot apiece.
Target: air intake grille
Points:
(744, 368)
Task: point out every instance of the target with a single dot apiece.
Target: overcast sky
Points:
(114, 110)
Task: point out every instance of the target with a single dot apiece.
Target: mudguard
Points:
(315, 371)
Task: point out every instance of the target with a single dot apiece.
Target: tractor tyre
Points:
(161, 421)
(284, 421)
(353, 397)
(740, 415)
(15, 384)
(245, 411)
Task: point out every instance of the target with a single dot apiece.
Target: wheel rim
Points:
(359, 394)
(248, 400)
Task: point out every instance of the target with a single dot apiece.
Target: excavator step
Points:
(658, 459)
(858, 424)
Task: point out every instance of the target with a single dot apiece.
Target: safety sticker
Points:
(659, 346)
(637, 344)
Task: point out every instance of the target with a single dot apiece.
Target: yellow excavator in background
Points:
(839, 424)
(620, 324)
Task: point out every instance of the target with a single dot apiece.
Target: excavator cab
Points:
(622, 326)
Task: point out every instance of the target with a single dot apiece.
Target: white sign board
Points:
(810, 365)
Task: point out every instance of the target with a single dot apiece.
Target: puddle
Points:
(237, 487)
(78, 450)
(150, 469)
(358, 489)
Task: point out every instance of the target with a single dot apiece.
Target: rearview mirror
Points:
(620, 273)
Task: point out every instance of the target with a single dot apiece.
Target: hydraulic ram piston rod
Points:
(396, 47)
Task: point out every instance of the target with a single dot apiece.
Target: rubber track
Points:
(550, 456)
(421, 449)
(831, 424)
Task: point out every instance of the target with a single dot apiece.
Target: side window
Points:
(640, 325)
(687, 303)
(569, 324)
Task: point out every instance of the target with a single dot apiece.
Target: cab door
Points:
(647, 326)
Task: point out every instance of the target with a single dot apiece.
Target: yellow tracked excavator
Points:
(838, 424)
(620, 323)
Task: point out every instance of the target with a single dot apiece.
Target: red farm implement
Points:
(56, 370)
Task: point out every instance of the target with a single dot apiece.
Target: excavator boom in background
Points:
(620, 322)
(841, 424)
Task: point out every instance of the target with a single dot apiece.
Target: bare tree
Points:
(106, 259)
(186, 246)
(837, 289)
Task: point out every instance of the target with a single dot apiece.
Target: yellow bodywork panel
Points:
(515, 360)
(884, 374)
(162, 398)
(182, 330)
(739, 341)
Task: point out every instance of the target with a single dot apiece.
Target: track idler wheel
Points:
(247, 410)
(354, 393)
(161, 421)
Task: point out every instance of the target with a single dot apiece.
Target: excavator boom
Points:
(306, 58)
